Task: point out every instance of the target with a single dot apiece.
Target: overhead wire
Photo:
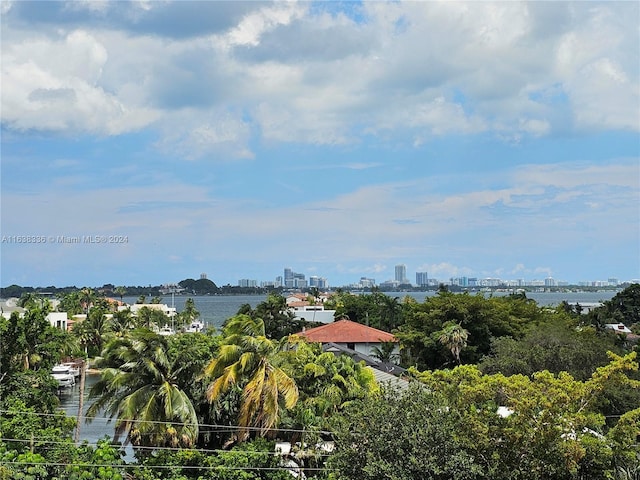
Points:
(220, 427)
(39, 441)
(167, 467)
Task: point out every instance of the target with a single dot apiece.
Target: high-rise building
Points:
(422, 279)
(367, 282)
(318, 282)
(401, 274)
(288, 278)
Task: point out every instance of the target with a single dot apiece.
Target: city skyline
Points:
(138, 149)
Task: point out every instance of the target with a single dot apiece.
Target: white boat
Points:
(62, 374)
(74, 368)
(196, 326)
(166, 330)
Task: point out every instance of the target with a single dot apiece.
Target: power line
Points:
(167, 467)
(39, 441)
(221, 428)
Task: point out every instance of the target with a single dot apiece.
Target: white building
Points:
(58, 320)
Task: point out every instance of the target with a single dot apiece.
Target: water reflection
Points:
(99, 427)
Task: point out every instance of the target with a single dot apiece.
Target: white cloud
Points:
(54, 86)
(481, 67)
(255, 24)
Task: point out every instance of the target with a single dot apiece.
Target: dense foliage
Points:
(501, 389)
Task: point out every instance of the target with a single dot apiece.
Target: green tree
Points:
(120, 323)
(386, 352)
(189, 313)
(483, 318)
(29, 342)
(70, 303)
(454, 337)
(246, 358)
(87, 297)
(556, 347)
(149, 318)
(139, 386)
(90, 331)
(551, 426)
(279, 321)
(120, 291)
(327, 384)
(403, 435)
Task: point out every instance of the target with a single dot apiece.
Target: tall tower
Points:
(288, 278)
(401, 273)
(422, 279)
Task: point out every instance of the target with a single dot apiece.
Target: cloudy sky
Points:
(335, 138)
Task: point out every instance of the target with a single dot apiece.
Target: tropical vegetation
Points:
(496, 388)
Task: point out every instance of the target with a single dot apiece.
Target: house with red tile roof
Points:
(348, 334)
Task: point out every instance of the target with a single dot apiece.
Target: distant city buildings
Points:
(422, 279)
(291, 280)
(401, 274)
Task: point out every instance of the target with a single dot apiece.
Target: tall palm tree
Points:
(87, 297)
(139, 386)
(120, 291)
(246, 359)
(120, 323)
(189, 313)
(455, 338)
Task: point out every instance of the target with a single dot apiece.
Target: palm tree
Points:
(91, 330)
(455, 338)
(139, 386)
(87, 297)
(120, 323)
(246, 359)
(190, 313)
(121, 292)
(385, 352)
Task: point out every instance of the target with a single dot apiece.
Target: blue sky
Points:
(335, 138)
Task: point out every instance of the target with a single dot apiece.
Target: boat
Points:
(74, 368)
(166, 330)
(63, 375)
(196, 326)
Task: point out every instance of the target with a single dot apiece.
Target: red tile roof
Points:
(346, 331)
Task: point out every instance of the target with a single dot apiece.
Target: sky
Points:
(148, 142)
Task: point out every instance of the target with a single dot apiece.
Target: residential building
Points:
(58, 320)
(351, 335)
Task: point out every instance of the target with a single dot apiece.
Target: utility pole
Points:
(80, 402)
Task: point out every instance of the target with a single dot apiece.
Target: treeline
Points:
(190, 286)
(497, 388)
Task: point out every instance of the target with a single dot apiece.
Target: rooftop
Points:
(346, 331)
